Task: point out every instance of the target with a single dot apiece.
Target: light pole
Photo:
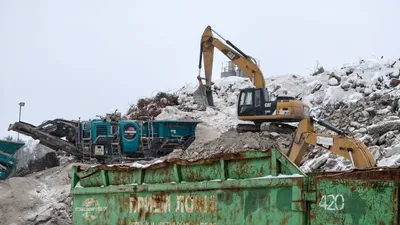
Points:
(21, 104)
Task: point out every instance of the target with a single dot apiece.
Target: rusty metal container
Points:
(262, 187)
(355, 197)
(244, 188)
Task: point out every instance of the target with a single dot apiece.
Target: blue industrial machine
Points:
(105, 139)
(8, 162)
(111, 139)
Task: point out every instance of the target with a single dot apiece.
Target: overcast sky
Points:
(71, 59)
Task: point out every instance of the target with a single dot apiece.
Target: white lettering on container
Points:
(330, 202)
(162, 204)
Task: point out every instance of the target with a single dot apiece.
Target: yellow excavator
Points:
(340, 144)
(255, 104)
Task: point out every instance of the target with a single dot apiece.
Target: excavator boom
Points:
(245, 62)
(341, 144)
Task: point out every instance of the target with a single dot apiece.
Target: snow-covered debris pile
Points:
(364, 102)
(353, 82)
(39, 198)
(149, 108)
(222, 117)
(357, 97)
(375, 120)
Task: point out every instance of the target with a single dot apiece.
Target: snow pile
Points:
(39, 198)
(222, 116)
(353, 97)
(364, 103)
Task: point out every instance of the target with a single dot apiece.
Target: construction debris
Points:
(150, 108)
(230, 142)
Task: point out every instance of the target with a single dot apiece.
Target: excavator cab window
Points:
(266, 95)
(249, 98)
(245, 106)
(257, 98)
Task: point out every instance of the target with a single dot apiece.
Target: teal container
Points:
(7, 161)
(7, 165)
(10, 147)
(170, 129)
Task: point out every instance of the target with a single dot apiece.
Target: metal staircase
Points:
(116, 152)
(115, 145)
(86, 150)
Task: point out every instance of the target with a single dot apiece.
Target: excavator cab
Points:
(258, 105)
(252, 102)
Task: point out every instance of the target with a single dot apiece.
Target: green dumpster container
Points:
(246, 188)
(262, 187)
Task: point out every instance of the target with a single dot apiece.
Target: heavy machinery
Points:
(8, 162)
(248, 187)
(111, 139)
(341, 144)
(254, 104)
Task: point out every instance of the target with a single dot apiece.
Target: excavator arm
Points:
(245, 62)
(341, 144)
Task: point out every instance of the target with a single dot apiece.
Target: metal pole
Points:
(19, 118)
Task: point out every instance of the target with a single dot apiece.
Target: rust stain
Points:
(284, 221)
(373, 174)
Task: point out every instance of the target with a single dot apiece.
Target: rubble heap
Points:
(149, 108)
(229, 142)
(375, 120)
(362, 99)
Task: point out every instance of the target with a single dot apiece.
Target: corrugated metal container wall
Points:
(356, 197)
(245, 188)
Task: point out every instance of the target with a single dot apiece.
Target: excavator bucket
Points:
(203, 95)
